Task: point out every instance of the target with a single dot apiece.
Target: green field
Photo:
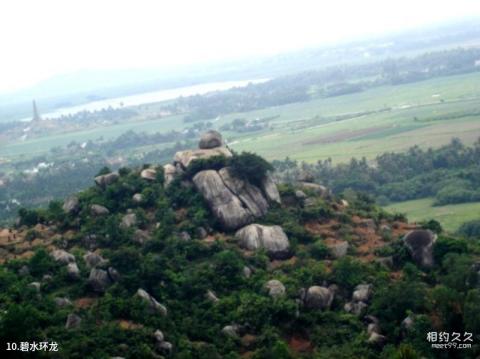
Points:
(387, 118)
(450, 216)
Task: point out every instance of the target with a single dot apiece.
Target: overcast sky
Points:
(41, 38)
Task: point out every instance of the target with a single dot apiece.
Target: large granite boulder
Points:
(61, 256)
(71, 205)
(275, 288)
(225, 206)
(93, 260)
(271, 238)
(128, 220)
(149, 174)
(106, 180)
(249, 194)
(362, 293)
(73, 271)
(210, 139)
(419, 243)
(98, 210)
(169, 172)
(270, 189)
(184, 158)
(152, 302)
(99, 280)
(318, 297)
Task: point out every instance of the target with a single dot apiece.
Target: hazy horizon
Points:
(69, 38)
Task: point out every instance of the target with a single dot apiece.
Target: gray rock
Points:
(159, 337)
(344, 203)
(377, 339)
(211, 296)
(231, 331)
(225, 206)
(250, 195)
(357, 308)
(99, 280)
(318, 297)
(275, 288)
(140, 236)
(73, 321)
(63, 257)
(106, 180)
(373, 328)
(419, 243)
(270, 189)
(73, 271)
(98, 210)
(210, 139)
(62, 302)
(35, 285)
(300, 194)
(339, 249)
(71, 205)
(128, 220)
(47, 277)
(93, 260)
(201, 232)
(137, 198)
(169, 172)
(247, 272)
(113, 274)
(184, 158)
(362, 293)
(152, 302)
(184, 236)
(408, 323)
(271, 238)
(149, 174)
(164, 347)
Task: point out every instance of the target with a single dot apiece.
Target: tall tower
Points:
(36, 115)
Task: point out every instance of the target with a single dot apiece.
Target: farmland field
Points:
(450, 216)
(387, 118)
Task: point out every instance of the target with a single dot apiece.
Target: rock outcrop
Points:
(318, 297)
(225, 206)
(152, 302)
(275, 288)
(271, 238)
(419, 243)
(71, 205)
(61, 256)
(210, 139)
(184, 158)
(98, 210)
(106, 180)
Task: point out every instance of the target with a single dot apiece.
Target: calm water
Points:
(150, 97)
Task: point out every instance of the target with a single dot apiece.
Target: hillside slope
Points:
(208, 258)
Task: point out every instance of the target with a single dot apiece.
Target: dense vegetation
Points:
(333, 81)
(450, 173)
(179, 271)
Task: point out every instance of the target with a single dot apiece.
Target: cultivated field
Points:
(450, 216)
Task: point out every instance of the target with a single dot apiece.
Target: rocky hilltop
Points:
(208, 257)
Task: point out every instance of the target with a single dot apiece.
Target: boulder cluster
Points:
(235, 202)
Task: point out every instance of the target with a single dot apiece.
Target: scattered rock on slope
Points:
(271, 238)
(210, 139)
(419, 243)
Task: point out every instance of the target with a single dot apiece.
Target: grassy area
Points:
(387, 118)
(450, 216)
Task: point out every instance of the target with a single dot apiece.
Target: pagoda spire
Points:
(36, 115)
